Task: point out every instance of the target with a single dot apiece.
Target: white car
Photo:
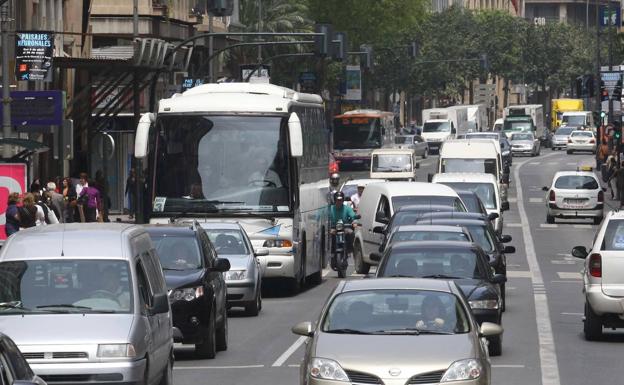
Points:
(560, 138)
(574, 194)
(581, 141)
(603, 277)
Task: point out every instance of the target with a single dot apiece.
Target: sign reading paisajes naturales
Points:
(33, 55)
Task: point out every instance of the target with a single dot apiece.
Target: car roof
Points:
(419, 208)
(452, 221)
(577, 131)
(425, 227)
(398, 283)
(464, 177)
(393, 189)
(353, 182)
(432, 245)
(70, 240)
(220, 226)
(170, 229)
(567, 173)
(389, 150)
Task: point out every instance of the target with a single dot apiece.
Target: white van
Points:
(484, 185)
(381, 200)
(393, 164)
(87, 303)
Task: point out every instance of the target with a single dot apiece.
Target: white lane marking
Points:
(293, 348)
(563, 262)
(512, 200)
(217, 367)
(513, 224)
(582, 226)
(547, 352)
(559, 281)
(508, 366)
(510, 287)
(552, 163)
(294, 366)
(518, 274)
(325, 272)
(571, 164)
(534, 163)
(568, 275)
(549, 225)
(574, 314)
(427, 164)
(536, 200)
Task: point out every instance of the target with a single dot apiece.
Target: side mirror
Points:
(429, 178)
(221, 265)
(417, 165)
(142, 135)
(261, 252)
(303, 329)
(579, 252)
(492, 216)
(489, 329)
(381, 217)
(505, 177)
(161, 304)
(498, 279)
(509, 250)
(545, 188)
(295, 134)
(379, 229)
(505, 238)
(177, 335)
(375, 257)
(505, 206)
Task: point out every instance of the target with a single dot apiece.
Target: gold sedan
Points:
(396, 331)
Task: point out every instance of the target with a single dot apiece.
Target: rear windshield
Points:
(392, 163)
(430, 235)
(404, 140)
(487, 166)
(178, 252)
(456, 203)
(521, 137)
(576, 182)
(228, 241)
(485, 191)
(472, 203)
(425, 262)
(564, 131)
(586, 134)
(614, 236)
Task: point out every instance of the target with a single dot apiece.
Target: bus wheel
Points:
(317, 277)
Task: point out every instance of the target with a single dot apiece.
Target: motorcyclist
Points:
(334, 186)
(340, 211)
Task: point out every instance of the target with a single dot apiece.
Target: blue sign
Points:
(36, 108)
(189, 83)
(610, 17)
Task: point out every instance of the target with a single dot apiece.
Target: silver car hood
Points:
(66, 329)
(238, 262)
(377, 354)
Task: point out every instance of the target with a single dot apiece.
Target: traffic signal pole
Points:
(6, 83)
(610, 38)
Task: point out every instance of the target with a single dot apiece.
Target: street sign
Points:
(254, 70)
(484, 93)
(307, 81)
(36, 108)
(353, 83)
(610, 16)
(33, 55)
(189, 83)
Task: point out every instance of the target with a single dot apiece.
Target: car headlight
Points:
(463, 370)
(489, 304)
(277, 243)
(186, 294)
(327, 370)
(235, 275)
(116, 351)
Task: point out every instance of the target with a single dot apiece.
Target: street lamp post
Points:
(6, 83)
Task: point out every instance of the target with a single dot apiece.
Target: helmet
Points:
(334, 178)
(339, 196)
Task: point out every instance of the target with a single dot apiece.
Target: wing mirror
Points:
(492, 216)
(303, 329)
(161, 304)
(429, 178)
(221, 265)
(379, 229)
(142, 135)
(579, 252)
(261, 252)
(489, 329)
(295, 134)
(498, 279)
(509, 250)
(505, 238)
(545, 188)
(505, 206)
(375, 257)
(381, 217)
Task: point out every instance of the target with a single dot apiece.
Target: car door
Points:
(419, 145)
(214, 279)
(146, 301)
(374, 239)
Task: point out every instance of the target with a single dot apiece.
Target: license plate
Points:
(575, 201)
(581, 141)
(357, 161)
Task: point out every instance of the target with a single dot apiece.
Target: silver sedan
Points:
(395, 331)
(524, 143)
(413, 142)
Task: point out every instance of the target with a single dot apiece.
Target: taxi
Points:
(575, 194)
(581, 140)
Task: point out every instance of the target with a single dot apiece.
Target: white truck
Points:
(440, 124)
(477, 118)
(535, 111)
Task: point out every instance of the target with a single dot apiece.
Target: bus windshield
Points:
(357, 133)
(221, 163)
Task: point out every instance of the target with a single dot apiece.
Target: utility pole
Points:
(137, 201)
(259, 30)
(610, 37)
(597, 93)
(210, 48)
(6, 82)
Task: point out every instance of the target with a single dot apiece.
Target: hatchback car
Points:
(603, 277)
(13, 366)
(560, 137)
(396, 331)
(524, 143)
(413, 142)
(581, 141)
(428, 233)
(244, 279)
(197, 291)
(463, 262)
(574, 194)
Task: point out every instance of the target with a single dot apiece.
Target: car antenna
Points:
(63, 241)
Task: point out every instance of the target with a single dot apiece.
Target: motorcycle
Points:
(340, 259)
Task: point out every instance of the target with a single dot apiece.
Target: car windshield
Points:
(437, 127)
(435, 261)
(504, 144)
(357, 133)
(228, 241)
(485, 191)
(614, 235)
(576, 182)
(408, 200)
(521, 137)
(573, 120)
(482, 237)
(428, 235)
(403, 140)
(67, 286)
(516, 126)
(392, 163)
(198, 172)
(472, 203)
(487, 166)
(585, 134)
(482, 136)
(401, 311)
(178, 252)
(564, 131)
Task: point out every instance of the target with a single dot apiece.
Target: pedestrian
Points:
(56, 202)
(619, 183)
(610, 167)
(81, 200)
(93, 202)
(28, 212)
(130, 192)
(355, 198)
(12, 215)
(70, 202)
(82, 182)
(35, 186)
(45, 215)
(602, 155)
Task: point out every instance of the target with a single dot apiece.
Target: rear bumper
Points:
(603, 304)
(522, 151)
(354, 163)
(581, 147)
(130, 373)
(434, 145)
(575, 213)
(240, 293)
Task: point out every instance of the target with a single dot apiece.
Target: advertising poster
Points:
(33, 55)
(354, 83)
(12, 179)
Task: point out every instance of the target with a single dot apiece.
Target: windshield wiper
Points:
(400, 276)
(436, 332)
(173, 269)
(347, 331)
(13, 305)
(441, 276)
(408, 331)
(58, 307)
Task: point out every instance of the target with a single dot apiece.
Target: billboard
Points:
(33, 55)
(353, 83)
(36, 108)
(12, 179)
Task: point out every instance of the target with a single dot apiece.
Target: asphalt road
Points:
(543, 340)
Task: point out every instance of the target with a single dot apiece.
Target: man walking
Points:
(56, 202)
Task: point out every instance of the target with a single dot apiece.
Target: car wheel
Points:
(167, 376)
(569, 152)
(550, 219)
(495, 345)
(597, 220)
(503, 302)
(553, 148)
(253, 308)
(222, 333)
(425, 154)
(361, 267)
(592, 326)
(208, 348)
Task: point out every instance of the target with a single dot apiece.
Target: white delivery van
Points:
(578, 119)
(484, 185)
(393, 164)
(477, 118)
(535, 111)
(381, 200)
(440, 124)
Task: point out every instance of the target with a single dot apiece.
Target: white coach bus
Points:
(256, 154)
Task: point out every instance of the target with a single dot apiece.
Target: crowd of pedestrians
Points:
(610, 165)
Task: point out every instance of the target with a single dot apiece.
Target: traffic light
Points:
(220, 8)
(323, 43)
(617, 91)
(483, 61)
(414, 50)
(340, 48)
(604, 94)
(367, 56)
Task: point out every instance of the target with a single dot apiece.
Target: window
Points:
(384, 207)
(209, 250)
(576, 182)
(178, 252)
(145, 292)
(427, 262)
(228, 241)
(450, 201)
(614, 236)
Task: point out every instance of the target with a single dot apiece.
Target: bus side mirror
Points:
(295, 135)
(142, 135)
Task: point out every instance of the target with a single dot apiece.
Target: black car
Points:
(13, 366)
(197, 291)
(463, 262)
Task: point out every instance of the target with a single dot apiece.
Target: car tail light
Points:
(551, 196)
(334, 167)
(569, 140)
(600, 197)
(595, 265)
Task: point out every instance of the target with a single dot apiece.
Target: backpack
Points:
(28, 218)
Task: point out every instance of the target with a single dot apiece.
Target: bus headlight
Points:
(277, 243)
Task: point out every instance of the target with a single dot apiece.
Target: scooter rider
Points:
(340, 211)
(334, 187)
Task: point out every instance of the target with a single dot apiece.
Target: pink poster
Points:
(12, 179)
